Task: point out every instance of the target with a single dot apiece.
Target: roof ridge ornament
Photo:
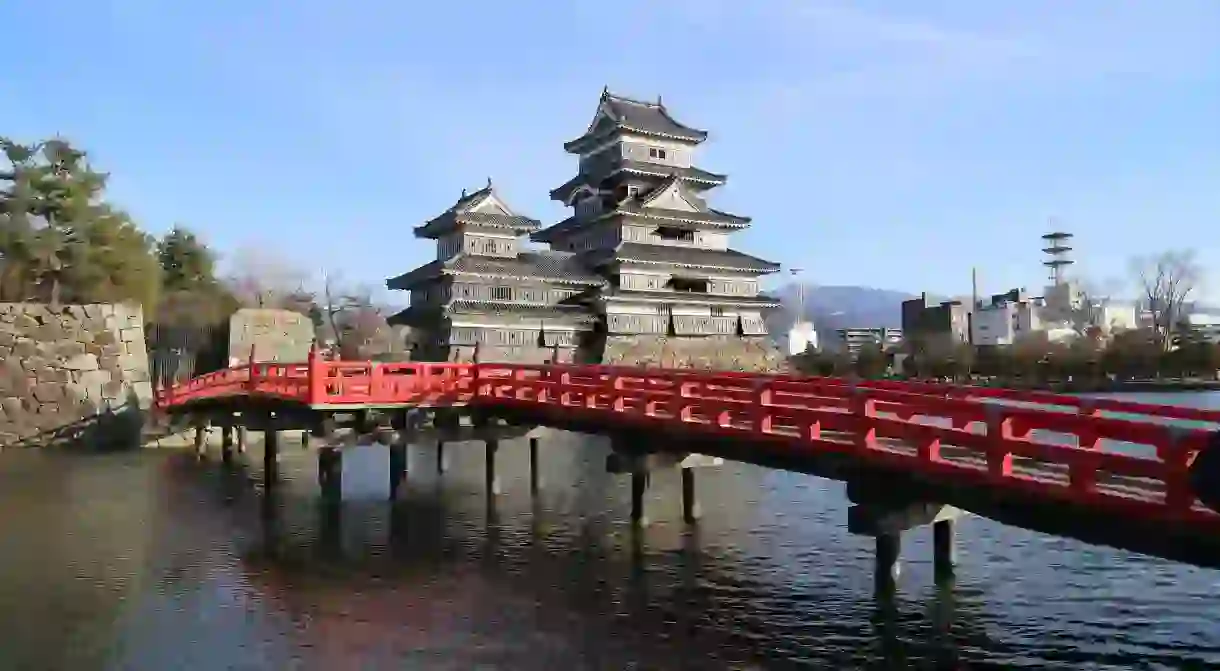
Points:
(489, 181)
(605, 91)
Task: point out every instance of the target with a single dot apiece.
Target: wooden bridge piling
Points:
(226, 443)
(691, 510)
(535, 476)
(330, 473)
(639, 490)
(201, 440)
(398, 463)
(888, 565)
(442, 461)
(944, 550)
(271, 456)
(491, 477)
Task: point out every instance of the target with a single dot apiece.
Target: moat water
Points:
(153, 561)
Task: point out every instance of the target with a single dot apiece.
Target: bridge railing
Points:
(1074, 453)
(319, 382)
(1141, 470)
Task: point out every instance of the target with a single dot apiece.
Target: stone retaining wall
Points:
(78, 373)
(733, 353)
(275, 335)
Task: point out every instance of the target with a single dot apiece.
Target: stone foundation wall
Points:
(735, 353)
(276, 335)
(75, 374)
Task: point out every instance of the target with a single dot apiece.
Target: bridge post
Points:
(271, 455)
(226, 443)
(201, 439)
(535, 478)
(442, 463)
(639, 488)
(491, 479)
(944, 550)
(398, 463)
(330, 473)
(691, 510)
(887, 562)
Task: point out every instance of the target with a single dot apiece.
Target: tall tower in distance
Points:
(1058, 254)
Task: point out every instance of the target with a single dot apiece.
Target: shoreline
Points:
(1130, 387)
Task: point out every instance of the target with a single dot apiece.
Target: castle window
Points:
(691, 285)
(656, 152)
(717, 311)
(501, 293)
(676, 234)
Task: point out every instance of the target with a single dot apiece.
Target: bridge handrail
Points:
(999, 426)
(649, 397)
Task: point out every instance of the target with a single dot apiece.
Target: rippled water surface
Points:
(154, 561)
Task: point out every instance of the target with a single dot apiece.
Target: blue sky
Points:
(878, 143)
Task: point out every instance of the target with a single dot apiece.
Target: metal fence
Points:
(178, 353)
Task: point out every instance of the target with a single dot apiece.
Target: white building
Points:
(1204, 326)
(801, 337)
(853, 339)
(1116, 317)
(1014, 316)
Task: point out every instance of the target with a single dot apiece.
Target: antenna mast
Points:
(1058, 248)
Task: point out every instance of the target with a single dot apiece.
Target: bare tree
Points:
(1166, 281)
(261, 280)
(355, 321)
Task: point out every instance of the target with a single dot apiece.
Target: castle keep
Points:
(643, 262)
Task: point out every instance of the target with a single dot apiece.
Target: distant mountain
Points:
(836, 307)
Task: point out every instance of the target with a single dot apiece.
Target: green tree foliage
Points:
(1130, 355)
(871, 362)
(823, 363)
(192, 295)
(60, 239)
(186, 263)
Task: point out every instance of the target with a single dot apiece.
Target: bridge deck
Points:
(1122, 460)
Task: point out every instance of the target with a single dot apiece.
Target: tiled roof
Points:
(426, 314)
(459, 213)
(597, 174)
(759, 300)
(710, 216)
(633, 252)
(630, 208)
(540, 265)
(651, 118)
(450, 220)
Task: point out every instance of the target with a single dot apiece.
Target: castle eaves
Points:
(626, 114)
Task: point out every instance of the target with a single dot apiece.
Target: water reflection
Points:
(154, 561)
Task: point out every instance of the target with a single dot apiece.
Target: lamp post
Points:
(800, 292)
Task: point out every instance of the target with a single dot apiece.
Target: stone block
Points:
(25, 348)
(82, 362)
(48, 392)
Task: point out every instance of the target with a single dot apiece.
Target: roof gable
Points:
(616, 112)
(490, 203)
(671, 195)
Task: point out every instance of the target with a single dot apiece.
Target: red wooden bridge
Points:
(1104, 470)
